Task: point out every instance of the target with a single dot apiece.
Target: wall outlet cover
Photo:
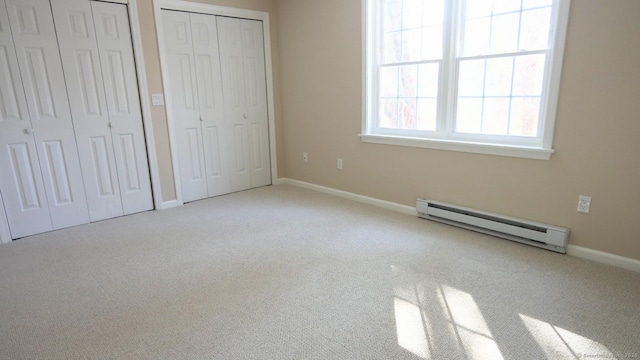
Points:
(584, 204)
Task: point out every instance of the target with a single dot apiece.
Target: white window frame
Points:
(445, 139)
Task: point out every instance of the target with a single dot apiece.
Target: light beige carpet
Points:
(286, 273)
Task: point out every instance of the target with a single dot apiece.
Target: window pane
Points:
(411, 41)
(484, 95)
(427, 110)
(428, 80)
(494, 27)
(389, 81)
(412, 14)
(471, 78)
(477, 36)
(495, 116)
(504, 33)
(433, 13)
(392, 47)
(478, 8)
(392, 15)
(432, 42)
(407, 109)
(528, 75)
(389, 113)
(534, 34)
(498, 77)
(408, 81)
(525, 113)
(469, 115)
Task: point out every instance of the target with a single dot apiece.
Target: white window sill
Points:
(450, 145)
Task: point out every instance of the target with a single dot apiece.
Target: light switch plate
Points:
(157, 99)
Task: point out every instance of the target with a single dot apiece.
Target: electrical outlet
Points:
(584, 203)
(305, 158)
(339, 164)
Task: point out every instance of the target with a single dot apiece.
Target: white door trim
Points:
(145, 104)
(181, 5)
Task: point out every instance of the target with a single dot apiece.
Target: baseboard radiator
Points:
(544, 236)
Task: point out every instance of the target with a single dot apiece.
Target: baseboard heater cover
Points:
(532, 233)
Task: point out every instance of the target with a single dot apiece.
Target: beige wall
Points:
(596, 137)
(154, 79)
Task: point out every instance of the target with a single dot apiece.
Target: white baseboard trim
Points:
(604, 258)
(572, 250)
(351, 196)
(168, 204)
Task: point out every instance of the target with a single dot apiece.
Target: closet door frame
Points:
(181, 5)
(145, 103)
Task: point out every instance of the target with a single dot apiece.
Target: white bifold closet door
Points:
(197, 103)
(71, 139)
(97, 55)
(244, 83)
(220, 114)
(24, 194)
(42, 188)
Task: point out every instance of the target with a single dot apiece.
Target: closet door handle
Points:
(111, 125)
(29, 131)
(245, 116)
(201, 119)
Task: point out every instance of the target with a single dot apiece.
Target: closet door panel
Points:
(233, 82)
(256, 101)
(21, 182)
(81, 63)
(211, 105)
(184, 104)
(123, 105)
(39, 60)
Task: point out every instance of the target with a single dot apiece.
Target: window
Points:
(469, 75)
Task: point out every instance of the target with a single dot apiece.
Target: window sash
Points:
(505, 139)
